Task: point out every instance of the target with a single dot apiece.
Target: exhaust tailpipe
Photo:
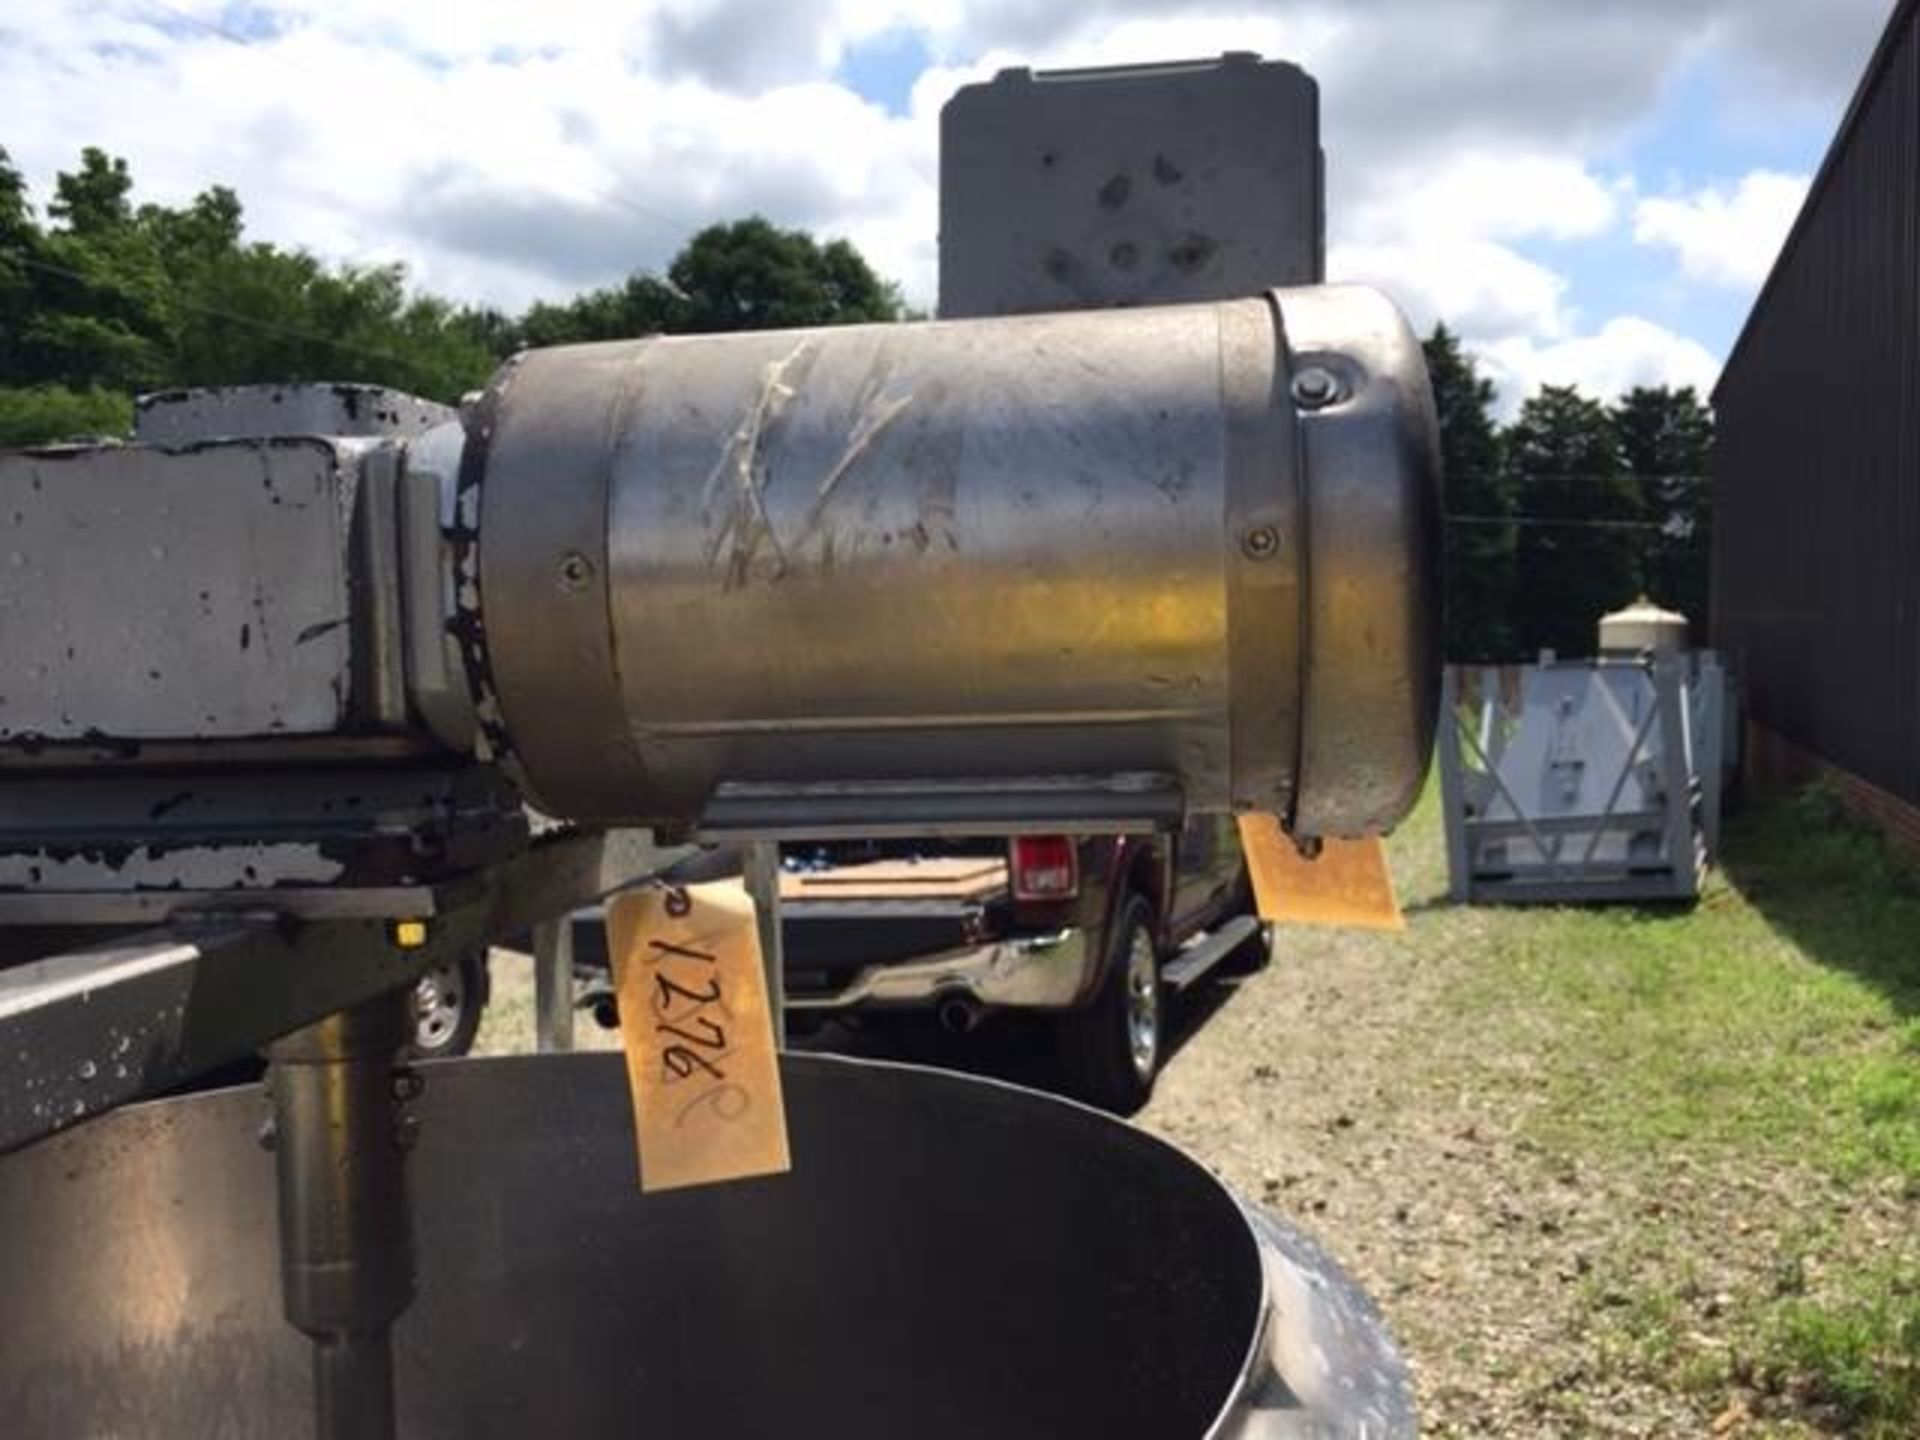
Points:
(958, 1015)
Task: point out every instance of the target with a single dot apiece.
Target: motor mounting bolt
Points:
(1315, 388)
(575, 572)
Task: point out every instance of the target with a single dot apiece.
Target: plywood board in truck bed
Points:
(955, 877)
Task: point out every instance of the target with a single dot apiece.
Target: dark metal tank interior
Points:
(948, 1258)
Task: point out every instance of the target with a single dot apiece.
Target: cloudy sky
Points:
(1589, 190)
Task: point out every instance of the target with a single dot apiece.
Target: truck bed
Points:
(837, 920)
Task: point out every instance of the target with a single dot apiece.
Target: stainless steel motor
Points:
(1105, 564)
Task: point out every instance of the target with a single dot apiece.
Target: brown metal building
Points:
(1816, 491)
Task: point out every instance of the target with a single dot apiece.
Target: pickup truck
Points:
(1093, 930)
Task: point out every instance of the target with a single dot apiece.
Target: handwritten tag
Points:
(1347, 884)
(698, 1034)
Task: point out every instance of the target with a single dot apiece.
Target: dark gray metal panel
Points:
(1817, 470)
(200, 592)
(70, 847)
(1148, 184)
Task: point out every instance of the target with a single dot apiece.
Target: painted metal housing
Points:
(1155, 184)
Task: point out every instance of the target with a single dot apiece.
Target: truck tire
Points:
(447, 1003)
(1111, 1049)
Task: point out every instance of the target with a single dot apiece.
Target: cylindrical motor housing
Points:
(1091, 556)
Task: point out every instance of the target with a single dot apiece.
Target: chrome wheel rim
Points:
(1143, 1004)
(438, 996)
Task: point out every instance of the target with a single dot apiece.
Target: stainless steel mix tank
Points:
(949, 1258)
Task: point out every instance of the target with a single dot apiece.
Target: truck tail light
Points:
(1045, 867)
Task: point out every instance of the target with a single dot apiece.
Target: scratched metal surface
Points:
(1037, 546)
(889, 552)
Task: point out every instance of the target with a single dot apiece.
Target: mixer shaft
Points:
(346, 1245)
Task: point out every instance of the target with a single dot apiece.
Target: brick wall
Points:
(1773, 761)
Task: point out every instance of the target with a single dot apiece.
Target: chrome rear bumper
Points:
(1035, 972)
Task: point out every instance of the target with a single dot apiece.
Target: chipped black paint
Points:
(467, 624)
(118, 747)
(315, 631)
(245, 442)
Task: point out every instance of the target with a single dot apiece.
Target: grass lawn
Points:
(1748, 1071)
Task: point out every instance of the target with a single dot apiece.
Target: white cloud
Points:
(1509, 195)
(1480, 289)
(1725, 236)
(497, 177)
(527, 151)
(1625, 352)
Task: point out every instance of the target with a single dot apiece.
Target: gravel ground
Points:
(1314, 1088)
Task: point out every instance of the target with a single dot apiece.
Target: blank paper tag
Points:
(699, 1035)
(1347, 885)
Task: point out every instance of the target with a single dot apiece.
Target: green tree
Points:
(42, 414)
(749, 275)
(642, 305)
(208, 227)
(1666, 436)
(256, 313)
(745, 275)
(1581, 518)
(111, 298)
(1479, 536)
(16, 215)
(98, 316)
(19, 238)
(93, 200)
